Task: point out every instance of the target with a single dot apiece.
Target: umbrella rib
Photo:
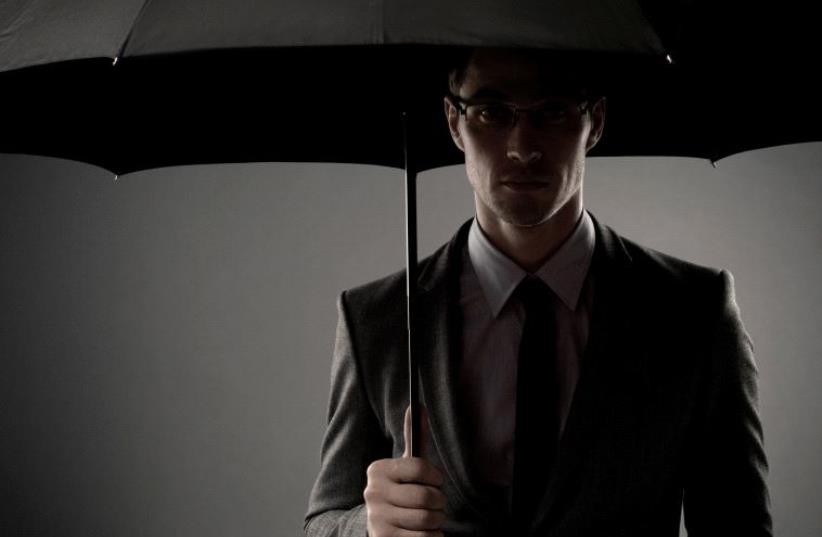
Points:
(137, 19)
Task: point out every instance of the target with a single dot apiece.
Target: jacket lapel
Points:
(609, 339)
(440, 354)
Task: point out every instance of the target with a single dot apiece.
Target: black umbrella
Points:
(214, 73)
(161, 83)
(223, 77)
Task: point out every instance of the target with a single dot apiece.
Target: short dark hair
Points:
(577, 71)
(458, 64)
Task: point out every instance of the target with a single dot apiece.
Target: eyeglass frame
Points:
(462, 105)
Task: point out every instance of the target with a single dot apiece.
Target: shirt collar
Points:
(564, 272)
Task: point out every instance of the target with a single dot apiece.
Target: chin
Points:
(525, 218)
(523, 210)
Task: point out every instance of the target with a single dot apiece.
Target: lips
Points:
(524, 186)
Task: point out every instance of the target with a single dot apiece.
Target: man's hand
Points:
(403, 496)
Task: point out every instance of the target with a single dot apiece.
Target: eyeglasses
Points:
(497, 115)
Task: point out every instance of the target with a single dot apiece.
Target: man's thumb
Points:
(423, 440)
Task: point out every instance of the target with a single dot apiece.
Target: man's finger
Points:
(417, 519)
(412, 470)
(416, 496)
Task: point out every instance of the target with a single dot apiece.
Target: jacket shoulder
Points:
(655, 281)
(661, 268)
(375, 294)
(384, 294)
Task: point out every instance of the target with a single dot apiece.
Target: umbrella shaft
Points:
(411, 285)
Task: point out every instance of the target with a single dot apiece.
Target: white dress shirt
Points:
(491, 333)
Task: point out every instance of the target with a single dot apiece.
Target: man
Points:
(641, 398)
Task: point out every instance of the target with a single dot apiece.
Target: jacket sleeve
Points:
(353, 439)
(725, 489)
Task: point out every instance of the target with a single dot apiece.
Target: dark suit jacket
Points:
(664, 412)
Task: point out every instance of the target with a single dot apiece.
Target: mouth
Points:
(525, 186)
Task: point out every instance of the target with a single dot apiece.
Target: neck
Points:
(530, 247)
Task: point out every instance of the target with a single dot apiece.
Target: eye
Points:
(553, 112)
(494, 113)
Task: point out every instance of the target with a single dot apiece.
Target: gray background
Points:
(166, 338)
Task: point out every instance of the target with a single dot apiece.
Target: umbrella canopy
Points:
(47, 31)
(215, 81)
(238, 81)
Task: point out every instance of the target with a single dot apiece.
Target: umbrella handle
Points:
(411, 285)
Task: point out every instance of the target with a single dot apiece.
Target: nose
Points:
(523, 143)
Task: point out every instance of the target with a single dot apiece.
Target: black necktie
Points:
(537, 423)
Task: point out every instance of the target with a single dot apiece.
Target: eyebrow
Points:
(489, 92)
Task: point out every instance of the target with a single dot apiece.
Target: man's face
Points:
(526, 174)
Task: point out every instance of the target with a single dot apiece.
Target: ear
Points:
(597, 124)
(452, 115)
